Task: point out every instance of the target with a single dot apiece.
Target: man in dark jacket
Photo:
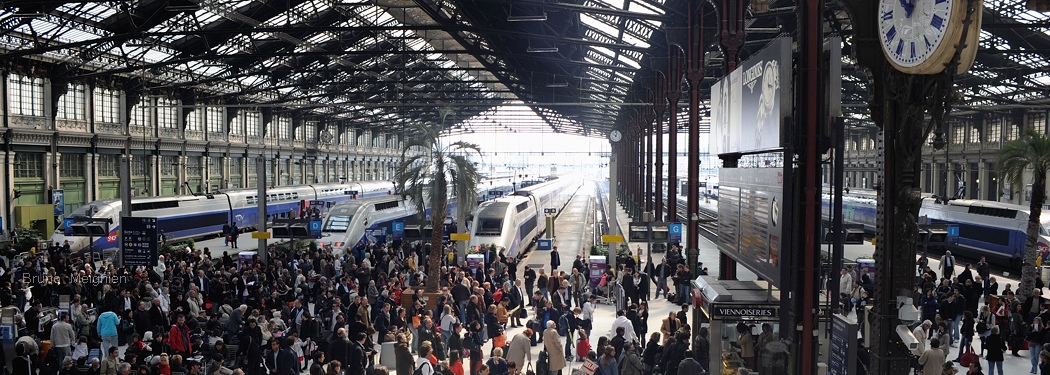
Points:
(689, 366)
(358, 356)
(530, 281)
(674, 353)
(340, 347)
(555, 261)
(287, 361)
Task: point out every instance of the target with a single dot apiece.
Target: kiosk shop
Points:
(743, 319)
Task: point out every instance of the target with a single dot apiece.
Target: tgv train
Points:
(514, 221)
(350, 223)
(194, 216)
(986, 228)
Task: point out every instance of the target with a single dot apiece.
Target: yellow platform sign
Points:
(459, 236)
(261, 235)
(612, 238)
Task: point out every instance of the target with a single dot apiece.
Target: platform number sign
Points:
(138, 240)
(67, 227)
(315, 228)
(674, 232)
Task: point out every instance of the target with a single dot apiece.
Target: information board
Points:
(843, 346)
(749, 218)
(475, 261)
(597, 268)
(138, 240)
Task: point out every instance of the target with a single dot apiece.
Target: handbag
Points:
(523, 314)
(968, 357)
(499, 341)
(530, 371)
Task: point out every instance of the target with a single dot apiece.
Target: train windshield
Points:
(337, 223)
(490, 226)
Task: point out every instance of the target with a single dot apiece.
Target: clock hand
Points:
(907, 5)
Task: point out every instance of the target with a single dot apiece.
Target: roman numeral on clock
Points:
(937, 22)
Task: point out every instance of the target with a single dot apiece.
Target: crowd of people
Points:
(312, 311)
(967, 310)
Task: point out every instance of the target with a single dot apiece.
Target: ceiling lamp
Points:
(511, 17)
(532, 49)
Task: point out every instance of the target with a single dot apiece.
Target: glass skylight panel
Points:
(594, 23)
(643, 7)
(95, 12)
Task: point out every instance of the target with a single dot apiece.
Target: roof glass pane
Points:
(95, 12)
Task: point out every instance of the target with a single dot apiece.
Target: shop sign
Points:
(723, 312)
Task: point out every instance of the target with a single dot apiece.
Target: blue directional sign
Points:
(674, 232)
(398, 227)
(67, 227)
(544, 244)
(953, 231)
(315, 228)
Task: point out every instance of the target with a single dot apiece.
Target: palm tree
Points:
(425, 173)
(1030, 151)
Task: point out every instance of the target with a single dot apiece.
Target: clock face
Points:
(615, 136)
(913, 32)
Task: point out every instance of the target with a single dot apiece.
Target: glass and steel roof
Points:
(571, 66)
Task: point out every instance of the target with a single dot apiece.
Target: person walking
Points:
(995, 346)
(1036, 336)
(106, 326)
(947, 265)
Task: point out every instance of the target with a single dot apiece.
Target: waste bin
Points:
(387, 357)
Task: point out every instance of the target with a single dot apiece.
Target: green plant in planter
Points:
(313, 246)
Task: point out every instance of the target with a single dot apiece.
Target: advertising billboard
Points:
(748, 105)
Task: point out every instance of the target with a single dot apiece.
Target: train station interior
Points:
(193, 92)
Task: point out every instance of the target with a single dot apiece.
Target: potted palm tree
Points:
(429, 173)
(1030, 151)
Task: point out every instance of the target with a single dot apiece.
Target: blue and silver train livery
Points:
(203, 215)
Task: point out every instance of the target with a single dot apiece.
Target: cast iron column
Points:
(674, 92)
(659, 93)
(647, 150)
(898, 106)
(695, 47)
(731, 38)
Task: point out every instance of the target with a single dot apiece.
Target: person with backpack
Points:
(651, 353)
(423, 365)
(567, 326)
(630, 363)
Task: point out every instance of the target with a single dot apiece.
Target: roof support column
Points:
(675, 40)
(694, 62)
(659, 94)
(732, 39)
